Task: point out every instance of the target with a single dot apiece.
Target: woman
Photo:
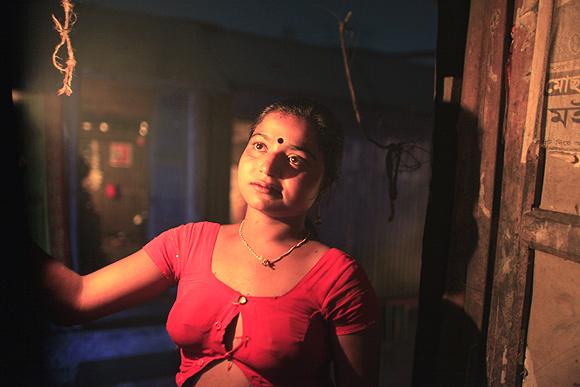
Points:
(260, 303)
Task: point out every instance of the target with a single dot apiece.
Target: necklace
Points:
(265, 261)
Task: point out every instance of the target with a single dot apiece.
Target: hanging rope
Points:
(400, 156)
(64, 30)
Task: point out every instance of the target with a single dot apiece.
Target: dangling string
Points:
(64, 30)
(394, 162)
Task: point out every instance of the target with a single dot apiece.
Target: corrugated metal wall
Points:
(356, 218)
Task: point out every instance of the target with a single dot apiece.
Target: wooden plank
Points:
(537, 78)
(477, 218)
(510, 294)
(552, 232)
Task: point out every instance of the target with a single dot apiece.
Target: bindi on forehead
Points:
(280, 140)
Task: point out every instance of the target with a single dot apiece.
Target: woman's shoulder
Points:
(338, 256)
(197, 226)
(334, 264)
(188, 231)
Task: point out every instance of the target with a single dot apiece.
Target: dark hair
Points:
(329, 135)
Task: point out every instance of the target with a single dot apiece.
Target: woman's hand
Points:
(356, 359)
(73, 299)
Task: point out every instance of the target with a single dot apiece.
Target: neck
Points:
(272, 228)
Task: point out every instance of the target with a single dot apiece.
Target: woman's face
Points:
(281, 169)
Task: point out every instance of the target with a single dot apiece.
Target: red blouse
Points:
(286, 339)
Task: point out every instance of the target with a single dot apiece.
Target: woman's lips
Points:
(266, 188)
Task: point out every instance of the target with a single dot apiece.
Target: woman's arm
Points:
(356, 359)
(73, 299)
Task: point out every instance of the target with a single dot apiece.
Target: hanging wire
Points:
(401, 156)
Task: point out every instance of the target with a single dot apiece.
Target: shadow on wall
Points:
(449, 347)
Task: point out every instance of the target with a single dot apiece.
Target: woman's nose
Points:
(271, 165)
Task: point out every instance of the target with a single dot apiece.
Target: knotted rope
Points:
(64, 30)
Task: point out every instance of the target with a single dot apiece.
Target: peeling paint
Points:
(492, 76)
(569, 157)
(528, 6)
(484, 210)
(560, 3)
(504, 362)
(525, 21)
(542, 232)
(505, 268)
(482, 207)
(494, 20)
(530, 377)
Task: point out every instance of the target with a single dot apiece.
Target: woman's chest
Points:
(241, 271)
(267, 328)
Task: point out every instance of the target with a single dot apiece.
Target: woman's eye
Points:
(259, 146)
(296, 161)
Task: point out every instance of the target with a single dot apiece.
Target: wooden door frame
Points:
(523, 226)
(506, 58)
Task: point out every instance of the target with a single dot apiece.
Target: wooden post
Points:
(513, 266)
